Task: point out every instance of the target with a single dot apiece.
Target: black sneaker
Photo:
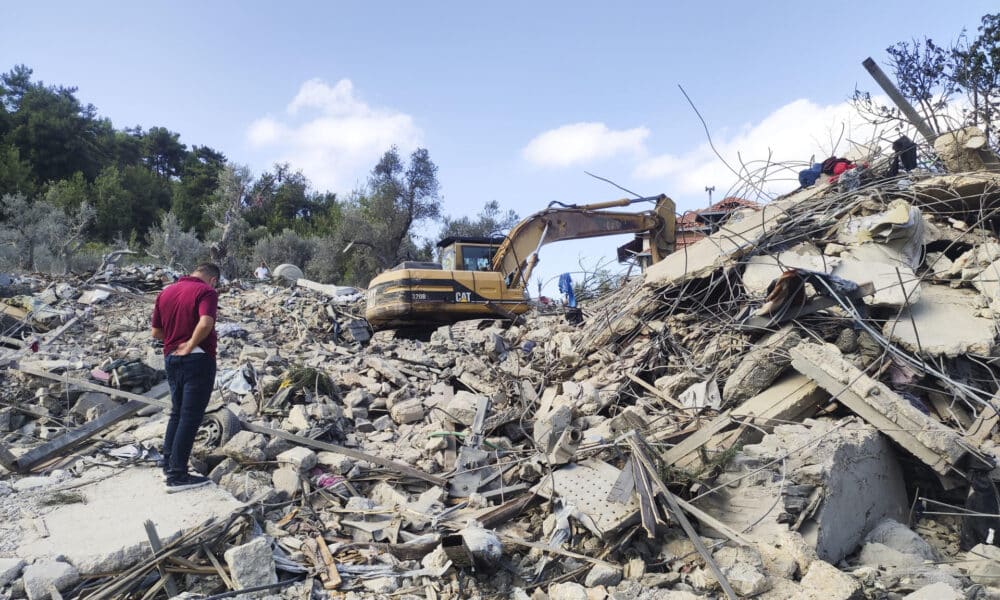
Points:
(186, 482)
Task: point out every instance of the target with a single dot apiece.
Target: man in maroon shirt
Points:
(184, 318)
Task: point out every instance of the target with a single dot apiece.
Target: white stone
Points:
(300, 457)
(407, 411)
(251, 564)
(298, 417)
(39, 576)
(567, 591)
(338, 463)
(824, 582)
(743, 567)
(10, 569)
(286, 479)
(246, 446)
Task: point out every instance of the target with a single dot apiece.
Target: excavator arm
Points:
(518, 254)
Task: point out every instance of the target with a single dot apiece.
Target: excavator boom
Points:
(518, 254)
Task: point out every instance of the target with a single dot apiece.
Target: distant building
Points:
(697, 224)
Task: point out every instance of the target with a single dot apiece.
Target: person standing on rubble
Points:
(184, 318)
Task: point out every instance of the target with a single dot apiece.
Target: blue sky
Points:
(514, 100)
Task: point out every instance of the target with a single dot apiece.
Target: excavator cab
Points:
(468, 253)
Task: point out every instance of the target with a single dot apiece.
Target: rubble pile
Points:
(799, 405)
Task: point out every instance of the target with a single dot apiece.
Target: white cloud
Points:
(332, 134)
(583, 142)
(791, 134)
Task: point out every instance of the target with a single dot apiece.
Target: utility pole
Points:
(890, 89)
(710, 189)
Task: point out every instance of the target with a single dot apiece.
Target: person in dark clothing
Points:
(184, 318)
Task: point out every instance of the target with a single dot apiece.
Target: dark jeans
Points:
(191, 379)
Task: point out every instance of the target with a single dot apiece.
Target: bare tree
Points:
(72, 228)
(231, 197)
(28, 226)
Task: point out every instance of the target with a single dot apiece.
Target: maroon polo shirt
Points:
(178, 309)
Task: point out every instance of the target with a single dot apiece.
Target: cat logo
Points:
(463, 296)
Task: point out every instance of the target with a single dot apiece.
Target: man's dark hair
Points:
(208, 269)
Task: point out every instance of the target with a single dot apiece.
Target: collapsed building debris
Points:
(801, 402)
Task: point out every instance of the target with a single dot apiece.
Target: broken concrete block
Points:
(603, 575)
(567, 591)
(744, 569)
(901, 538)
(824, 581)
(299, 457)
(222, 469)
(246, 447)
(761, 366)
(462, 407)
(407, 411)
(298, 417)
(874, 554)
(92, 400)
(10, 569)
(882, 267)
(965, 149)
(739, 236)
(39, 576)
(943, 322)
(936, 591)
(983, 565)
(286, 479)
(91, 297)
(338, 463)
(938, 446)
(851, 468)
(249, 485)
(251, 564)
(388, 371)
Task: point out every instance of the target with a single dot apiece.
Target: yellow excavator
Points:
(486, 277)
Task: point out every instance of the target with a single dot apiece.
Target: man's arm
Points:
(201, 331)
(157, 333)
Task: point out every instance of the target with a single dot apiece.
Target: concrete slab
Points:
(763, 269)
(883, 267)
(938, 446)
(105, 531)
(737, 238)
(946, 322)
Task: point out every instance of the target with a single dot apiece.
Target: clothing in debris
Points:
(566, 288)
(906, 156)
(807, 177)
